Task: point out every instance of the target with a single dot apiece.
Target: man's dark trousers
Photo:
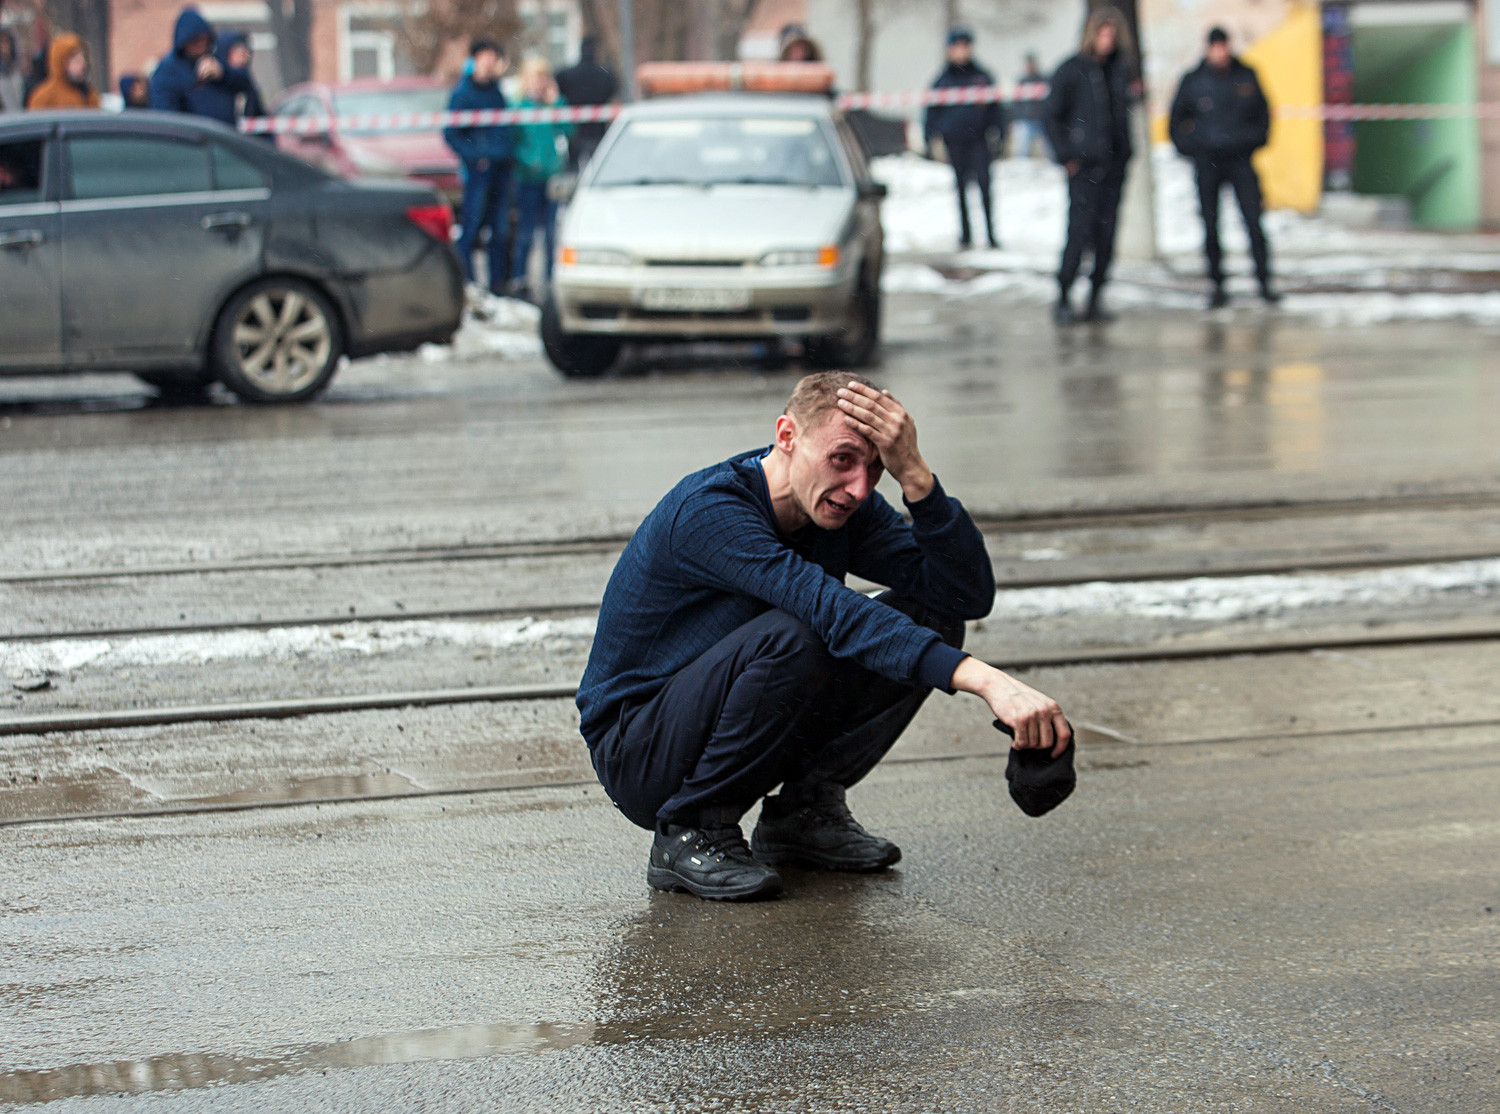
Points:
(767, 704)
(1237, 170)
(971, 163)
(1093, 205)
(486, 204)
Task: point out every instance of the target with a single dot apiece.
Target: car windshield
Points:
(720, 150)
(383, 101)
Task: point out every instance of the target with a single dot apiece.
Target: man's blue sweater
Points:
(710, 558)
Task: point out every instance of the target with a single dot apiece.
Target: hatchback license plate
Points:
(695, 300)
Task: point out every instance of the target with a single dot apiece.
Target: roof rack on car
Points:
(655, 79)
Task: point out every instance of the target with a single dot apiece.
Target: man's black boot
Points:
(811, 826)
(713, 863)
(1268, 293)
(1218, 299)
(1063, 314)
(1096, 310)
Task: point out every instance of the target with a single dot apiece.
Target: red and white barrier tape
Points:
(426, 121)
(972, 94)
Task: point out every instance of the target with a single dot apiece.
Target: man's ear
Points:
(786, 432)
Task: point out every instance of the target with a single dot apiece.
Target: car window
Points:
(854, 148)
(379, 102)
(133, 166)
(297, 106)
(21, 172)
(716, 150)
(232, 171)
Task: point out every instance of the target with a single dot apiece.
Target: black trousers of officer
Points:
(971, 163)
(764, 706)
(1093, 210)
(1238, 172)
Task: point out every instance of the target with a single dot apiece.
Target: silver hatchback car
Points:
(728, 216)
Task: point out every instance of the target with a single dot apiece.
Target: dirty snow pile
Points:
(21, 662)
(493, 326)
(1264, 596)
(920, 218)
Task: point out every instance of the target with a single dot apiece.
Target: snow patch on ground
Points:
(1222, 599)
(493, 326)
(920, 216)
(32, 659)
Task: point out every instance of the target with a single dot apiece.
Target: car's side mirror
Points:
(320, 139)
(871, 190)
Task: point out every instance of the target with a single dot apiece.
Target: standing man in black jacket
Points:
(1088, 122)
(1219, 119)
(586, 83)
(965, 130)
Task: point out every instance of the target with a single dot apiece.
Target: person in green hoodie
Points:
(540, 155)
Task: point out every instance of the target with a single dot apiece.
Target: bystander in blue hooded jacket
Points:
(252, 105)
(472, 144)
(175, 86)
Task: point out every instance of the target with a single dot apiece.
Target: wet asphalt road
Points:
(1275, 889)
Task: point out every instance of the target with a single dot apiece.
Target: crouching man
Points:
(730, 657)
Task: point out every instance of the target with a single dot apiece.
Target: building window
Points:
(552, 29)
(369, 44)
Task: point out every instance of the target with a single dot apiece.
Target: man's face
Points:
(239, 56)
(1104, 41)
(78, 66)
(832, 468)
(198, 46)
(961, 52)
(1218, 55)
(486, 66)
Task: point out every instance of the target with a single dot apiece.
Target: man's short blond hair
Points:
(817, 394)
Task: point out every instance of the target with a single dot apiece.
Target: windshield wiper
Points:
(651, 182)
(752, 181)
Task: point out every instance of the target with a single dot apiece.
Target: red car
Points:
(373, 154)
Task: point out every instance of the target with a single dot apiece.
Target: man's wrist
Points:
(917, 483)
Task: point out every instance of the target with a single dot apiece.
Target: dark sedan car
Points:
(174, 248)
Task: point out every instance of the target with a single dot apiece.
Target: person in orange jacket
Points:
(67, 84)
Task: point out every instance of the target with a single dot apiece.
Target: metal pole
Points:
(627, 49)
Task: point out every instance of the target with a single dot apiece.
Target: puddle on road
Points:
(328, 787)
(189, 1071)
(109, 792)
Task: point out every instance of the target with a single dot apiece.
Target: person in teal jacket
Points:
(540, 155)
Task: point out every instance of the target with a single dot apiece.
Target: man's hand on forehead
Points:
(884, 422)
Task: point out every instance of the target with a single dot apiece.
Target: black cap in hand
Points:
(1039, 782)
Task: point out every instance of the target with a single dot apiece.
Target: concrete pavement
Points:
(1274, 890)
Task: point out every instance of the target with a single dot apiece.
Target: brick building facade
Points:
(349, 39)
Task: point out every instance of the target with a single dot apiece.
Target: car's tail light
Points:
(435, 220)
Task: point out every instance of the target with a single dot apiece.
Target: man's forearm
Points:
(983, 680)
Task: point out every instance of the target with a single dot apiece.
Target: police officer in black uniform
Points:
(965, 130)
(1219, 119)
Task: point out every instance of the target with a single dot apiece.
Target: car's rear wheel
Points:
(576, 355)
(277, 340)
(855, 344)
